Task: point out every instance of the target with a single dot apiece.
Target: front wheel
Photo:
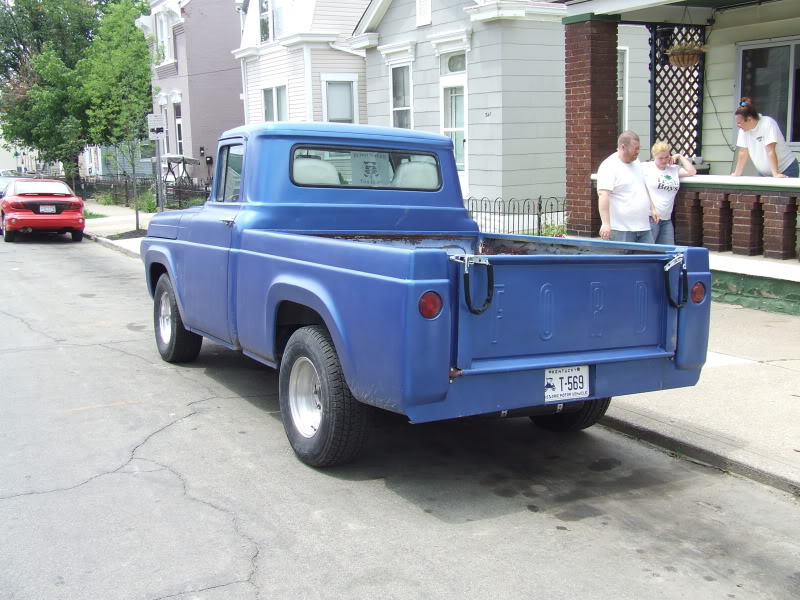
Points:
(586, 416)
(175, 342)
(325, 424)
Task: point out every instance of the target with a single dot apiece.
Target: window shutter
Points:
(423, 12)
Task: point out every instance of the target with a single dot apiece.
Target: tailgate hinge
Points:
(468, 260)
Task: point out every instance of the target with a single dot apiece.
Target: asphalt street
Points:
(122, 476)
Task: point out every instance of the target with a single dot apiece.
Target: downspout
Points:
(653, 29)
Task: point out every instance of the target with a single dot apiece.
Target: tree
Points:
(41, 42)
(116, 83)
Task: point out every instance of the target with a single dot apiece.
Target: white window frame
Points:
(165, 36)
(165, 141)
(791, 41)
(338, 77)
(275, 6)
(410, 107)
(448, 81)
(623, 117)
(273, 87)
(178, 129)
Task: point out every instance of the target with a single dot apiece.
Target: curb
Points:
(703, 455)
(109, 244)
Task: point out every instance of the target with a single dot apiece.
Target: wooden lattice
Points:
(678, 90)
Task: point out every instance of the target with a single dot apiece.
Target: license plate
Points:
(566, 383)
(47, 208)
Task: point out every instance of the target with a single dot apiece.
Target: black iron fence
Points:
(119, 189)
(530, 216)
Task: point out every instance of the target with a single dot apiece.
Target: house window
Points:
(271, 19)
(452, 64)
(275, 104)
(165, 141)
(770, 74)
(178, 127)
(401, 97)
(164, 38)
(622, 90)
(340, 97)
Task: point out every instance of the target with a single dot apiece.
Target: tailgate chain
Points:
(471, 259)
(684, 275)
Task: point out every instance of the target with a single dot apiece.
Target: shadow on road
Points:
(468, 469)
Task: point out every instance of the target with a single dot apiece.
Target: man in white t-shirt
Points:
(625, 206)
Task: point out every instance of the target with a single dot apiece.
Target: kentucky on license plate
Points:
(566, 383)
(47, 208)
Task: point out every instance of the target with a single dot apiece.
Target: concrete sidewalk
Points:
(744, 414)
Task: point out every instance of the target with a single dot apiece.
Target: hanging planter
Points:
(686, 54)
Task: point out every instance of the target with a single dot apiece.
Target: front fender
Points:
(310, 293)
(156, 253)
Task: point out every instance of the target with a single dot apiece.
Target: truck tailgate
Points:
(561, 310)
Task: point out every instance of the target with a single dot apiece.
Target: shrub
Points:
(104, 198)
(552, 230)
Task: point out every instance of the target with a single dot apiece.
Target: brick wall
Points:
(591, 116)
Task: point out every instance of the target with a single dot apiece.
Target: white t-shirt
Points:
(629, 205)
(765, 132)
(663, 186)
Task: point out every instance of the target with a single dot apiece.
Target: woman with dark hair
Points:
(761, 139)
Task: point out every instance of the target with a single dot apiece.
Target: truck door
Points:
(206, 289)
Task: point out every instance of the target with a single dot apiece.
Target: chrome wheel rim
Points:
(304, 397)
(165, 318)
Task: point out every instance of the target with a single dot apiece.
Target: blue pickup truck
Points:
(343, 256)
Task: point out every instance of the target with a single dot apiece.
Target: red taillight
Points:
(16, 205)
(698, 293)
(75, 206)
(430, 305)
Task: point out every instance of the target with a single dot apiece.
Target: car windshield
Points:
(43, 188)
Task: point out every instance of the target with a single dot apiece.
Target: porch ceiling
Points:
(656, 10)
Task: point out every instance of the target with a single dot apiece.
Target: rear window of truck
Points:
(336, 166)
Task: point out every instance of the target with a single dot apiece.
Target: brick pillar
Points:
(748, 224)
(591, 114)
(688, 218)
(717, 225)
(780, 222)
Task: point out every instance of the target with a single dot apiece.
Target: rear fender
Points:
(310, 293)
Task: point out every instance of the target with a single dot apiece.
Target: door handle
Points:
(228, 222)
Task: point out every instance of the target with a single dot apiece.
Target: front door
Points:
(206, 289)
(454, 111)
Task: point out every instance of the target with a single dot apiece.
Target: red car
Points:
(41, 205)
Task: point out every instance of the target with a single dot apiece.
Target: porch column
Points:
(748, 224)
(780, 233)
(688, 218)
(716, 220)
(591, 116)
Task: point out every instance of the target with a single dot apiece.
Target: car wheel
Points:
(77, 235)
(586, 416)
(175, 342)
(9, 236)
(325, 424)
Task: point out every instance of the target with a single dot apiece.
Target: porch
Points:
(753, 48)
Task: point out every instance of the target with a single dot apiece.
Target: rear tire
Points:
(588, 414)
(77, 235)
(325, 424)
(9, 236)
(175, 343)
